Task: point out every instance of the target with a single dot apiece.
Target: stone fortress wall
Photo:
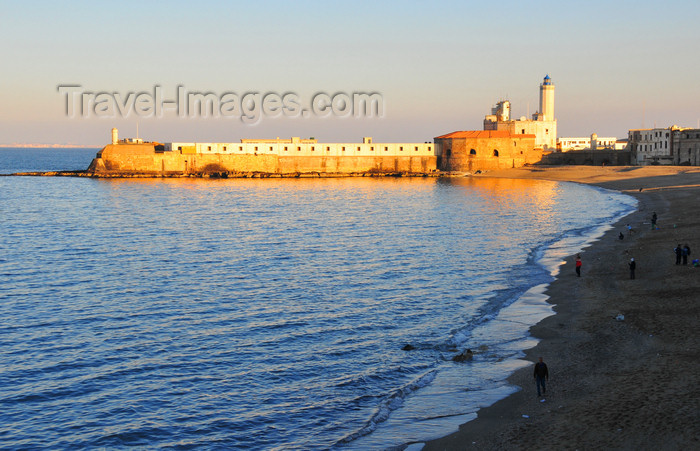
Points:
(471, 151)
(466, 151)
(152, 159)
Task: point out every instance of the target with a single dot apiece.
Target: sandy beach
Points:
(630, 384)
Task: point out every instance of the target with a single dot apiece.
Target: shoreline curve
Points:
(606, 388)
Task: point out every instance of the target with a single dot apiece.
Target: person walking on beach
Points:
(685, 252)
(679, 253)
(633, 266)
(578, 265)
(653, 221)
(541, 374)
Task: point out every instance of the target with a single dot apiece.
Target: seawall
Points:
(148, 160)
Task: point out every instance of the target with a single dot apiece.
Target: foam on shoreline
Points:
(573, 340)
(511, 325)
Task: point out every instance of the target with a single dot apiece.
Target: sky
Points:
(437, 67)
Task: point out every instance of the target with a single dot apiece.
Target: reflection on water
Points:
(261, 313)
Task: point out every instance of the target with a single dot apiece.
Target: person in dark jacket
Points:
(685, 252)
(633, 266)
(679, 253)
(541, 374)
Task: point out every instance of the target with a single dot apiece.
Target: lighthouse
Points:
(547, 99)
(543, 124)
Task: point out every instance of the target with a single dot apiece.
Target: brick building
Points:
(471, 151)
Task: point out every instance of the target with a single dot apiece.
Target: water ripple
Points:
(264, 314)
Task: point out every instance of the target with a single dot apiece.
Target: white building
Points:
(621, 144)
(591, 142)
(543, 123)
(306, 148)
(652, 145)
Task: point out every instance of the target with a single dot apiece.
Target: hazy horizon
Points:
(438, 67)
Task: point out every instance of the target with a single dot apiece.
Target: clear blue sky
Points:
(439, 66)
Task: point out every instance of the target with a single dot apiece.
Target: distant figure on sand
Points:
(622, 236)
(653, 221)
(633, 266)
(578, 265)
(541, 374)
(685, 252)
(679, 253)
(629, 229)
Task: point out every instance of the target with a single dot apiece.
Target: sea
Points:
(269, 314)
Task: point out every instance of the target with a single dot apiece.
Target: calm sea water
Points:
(268, 314)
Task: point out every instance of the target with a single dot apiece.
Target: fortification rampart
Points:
(471, 151)
(147, 159)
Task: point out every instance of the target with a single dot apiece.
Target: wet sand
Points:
(631, 384)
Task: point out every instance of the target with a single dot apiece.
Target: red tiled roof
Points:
(483, 134)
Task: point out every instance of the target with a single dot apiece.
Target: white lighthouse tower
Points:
(543, 124)
(547, 99)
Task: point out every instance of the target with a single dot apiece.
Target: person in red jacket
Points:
(578, 265)
(541, 374)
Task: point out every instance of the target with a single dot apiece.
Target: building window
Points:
(256, 148)
(448, 152)
(328, 148)
(386, 149)
(358, 148)
(240, 147)
(179, 147)
(285, 148)
(428, 147)
(299, 148)
(522, 132)
(416, 148)
(313, 148)
(224, 148)
(270, 148)
(371, 148)
(495, 152)
(343, 149)
(472, 152)
(401, 148)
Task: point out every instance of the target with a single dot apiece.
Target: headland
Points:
(614, 384)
